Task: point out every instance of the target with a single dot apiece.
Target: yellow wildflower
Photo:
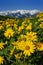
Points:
(29, 48)
(1, 27)
(41, 25)
(11, 51)
(40, 46)
(29, 27)
(40, 14)
(31, 36)
(6, 23)
(15, 44)
(7, 26)
(18, 55)
(26, 46)
(1, 45)
(40, 19)
(23, 23)
(9, 32)
(21, 45)
(20, 28)
(15, 26)
(1, 60)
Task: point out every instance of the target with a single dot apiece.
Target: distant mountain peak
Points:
(19, 13)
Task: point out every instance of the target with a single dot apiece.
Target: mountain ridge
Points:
(19, 13)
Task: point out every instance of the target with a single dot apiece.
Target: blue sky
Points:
(21, 4)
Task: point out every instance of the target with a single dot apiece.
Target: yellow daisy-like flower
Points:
(8, 33)
(40, 19)
(41, 25)
(19, 45)
(26, 46)
(1, 60)
(40, 15)
(1, 27)
(23, 23)
(1, 45)
(15, 44)
(7, 26)
(29, 27)
(6, 23)
(29, 48)
(11, 51)
(15, 25)
(18, 55)
(39, 46)
(20, 28)
(31, 36)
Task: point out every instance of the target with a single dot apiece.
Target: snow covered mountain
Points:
(19, 13)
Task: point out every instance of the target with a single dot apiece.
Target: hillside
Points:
(21, 40)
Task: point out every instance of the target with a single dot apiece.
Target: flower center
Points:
(20, 40)
(27, 47)
(9, 33)
(39, 45)
(30, 36)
